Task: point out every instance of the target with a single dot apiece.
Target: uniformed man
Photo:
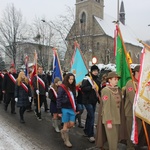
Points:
(111, 118)
(41, 90)
(9, 88)
(129, 99)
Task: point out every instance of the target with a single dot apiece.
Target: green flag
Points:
(122, 66)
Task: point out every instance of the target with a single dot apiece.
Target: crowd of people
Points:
(69, 100)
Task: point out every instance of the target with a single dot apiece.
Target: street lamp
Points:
(50, 36)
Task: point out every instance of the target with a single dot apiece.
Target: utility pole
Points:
(50, 36)
(118, 11)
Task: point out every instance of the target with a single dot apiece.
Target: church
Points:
(94, 30)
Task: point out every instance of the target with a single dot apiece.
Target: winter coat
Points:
(63, 99)
(100, 131)
(41, 89)
(8, 84)
(89, 95)
(22, 95)
(52, 96)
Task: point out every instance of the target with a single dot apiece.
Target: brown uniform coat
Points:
(111, 108)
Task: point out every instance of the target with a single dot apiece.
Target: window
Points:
(83, 17)
(83, 22)
(97, 46)
(98, 1)
(138, 57)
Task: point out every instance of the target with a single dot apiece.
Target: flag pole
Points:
(37, 83)
(144, 126)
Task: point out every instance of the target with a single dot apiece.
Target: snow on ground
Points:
(11, 138)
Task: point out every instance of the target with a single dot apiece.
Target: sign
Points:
(94, 60)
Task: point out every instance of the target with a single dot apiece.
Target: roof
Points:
(108, 27)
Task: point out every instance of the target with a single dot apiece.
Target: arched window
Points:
(83, 22)
(83, 17)
(97, 46)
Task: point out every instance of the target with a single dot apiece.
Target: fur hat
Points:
(94, 67)
(112, 75)
(136, 68)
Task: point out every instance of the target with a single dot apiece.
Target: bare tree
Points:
(62, 25)
(11, 28)
(43, 35)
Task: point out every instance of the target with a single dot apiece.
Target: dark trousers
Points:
(45, 104)
(10, 98)
(1, 96)
(89, 124)
(21, 112)
(41, 99)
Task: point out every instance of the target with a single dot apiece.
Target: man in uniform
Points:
(9, 88)
(131, 87)
(41, 90)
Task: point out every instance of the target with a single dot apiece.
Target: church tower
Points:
(122, 14)
(85, 10)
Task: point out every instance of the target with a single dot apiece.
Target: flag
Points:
(34, 67)
(122, 65)
(78, 67)
(26, 66)
(57, 72)
(142, 105)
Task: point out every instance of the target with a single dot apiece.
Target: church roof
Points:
(108, 27)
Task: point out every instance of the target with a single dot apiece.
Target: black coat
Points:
(8, 84)
(88, 94)
(22, 95)
(41, 89)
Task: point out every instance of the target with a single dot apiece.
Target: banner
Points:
(142, 101)
(78, 67)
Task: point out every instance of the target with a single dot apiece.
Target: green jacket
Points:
(111, 98)
(129, 98)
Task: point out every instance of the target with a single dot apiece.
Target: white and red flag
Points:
(141, 105)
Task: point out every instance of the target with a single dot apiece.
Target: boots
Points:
(56, 125)
(53, 123)
(66, 139)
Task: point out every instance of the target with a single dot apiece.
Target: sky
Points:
(137, 11)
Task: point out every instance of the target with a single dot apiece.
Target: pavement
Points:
(39, 135)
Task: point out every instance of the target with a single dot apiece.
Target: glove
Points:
(16, 99)
(37, 92)
(46, 94)
(29, 99)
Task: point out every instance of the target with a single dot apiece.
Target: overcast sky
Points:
(137, 11)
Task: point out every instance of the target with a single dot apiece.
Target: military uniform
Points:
(111, 98)
(129, 99)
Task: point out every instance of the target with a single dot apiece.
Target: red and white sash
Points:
(53, 91)
(14, 80)
(2, 75)
(41, 82)
(71, 97)
(24, 87)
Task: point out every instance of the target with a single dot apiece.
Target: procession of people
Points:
(69, 100)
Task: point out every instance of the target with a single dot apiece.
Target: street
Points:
(38, 135)
(34, 134)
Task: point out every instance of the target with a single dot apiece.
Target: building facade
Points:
(45, 55)
(94, 31)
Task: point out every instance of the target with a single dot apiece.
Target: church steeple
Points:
(85, 10)
(122, 14)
